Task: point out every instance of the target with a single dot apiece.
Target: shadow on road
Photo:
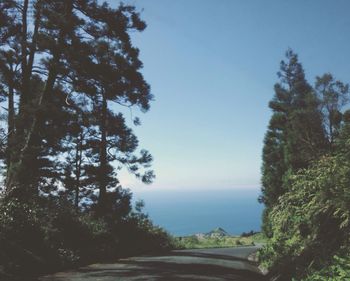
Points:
(170, 271)
(175, 266)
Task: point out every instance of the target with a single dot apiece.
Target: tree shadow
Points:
(173, 268)
(177, 265)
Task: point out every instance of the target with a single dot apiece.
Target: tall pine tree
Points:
(66, 51)
(295, 135)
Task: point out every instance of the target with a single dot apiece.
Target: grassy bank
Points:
(201, 242)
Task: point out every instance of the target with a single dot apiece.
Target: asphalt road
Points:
(201, 264)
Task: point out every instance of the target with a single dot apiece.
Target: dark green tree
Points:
(295, 135)
(333, 95)
(112, 75)
(66, 50)
(74, 175)
(304, 133)
(66, 69)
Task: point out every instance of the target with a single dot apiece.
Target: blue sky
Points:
(212, 65)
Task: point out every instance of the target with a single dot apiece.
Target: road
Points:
(201, 264)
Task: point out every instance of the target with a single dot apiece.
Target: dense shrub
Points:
(22, 237)
(49, 234)
(311, 221)
(139, 235)
(337, 270)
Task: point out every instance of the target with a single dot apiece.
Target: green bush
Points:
(337, 270)
(138, 234)
(311, 221)
(49, 234)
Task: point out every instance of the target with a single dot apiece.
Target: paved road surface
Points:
(202, 264)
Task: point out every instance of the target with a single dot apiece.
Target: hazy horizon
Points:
(185, 212)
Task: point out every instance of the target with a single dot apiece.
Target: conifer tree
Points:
(295, 135)
(66, 50)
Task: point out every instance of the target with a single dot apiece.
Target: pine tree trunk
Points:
(19, 176)
(10, 125)
(78, 162)
(103, 156)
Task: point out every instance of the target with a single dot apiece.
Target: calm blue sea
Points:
(190, 212)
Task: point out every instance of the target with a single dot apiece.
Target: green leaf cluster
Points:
(310, 223)
(337, 270)
(306, 174)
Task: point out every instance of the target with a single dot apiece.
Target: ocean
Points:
(188, 212)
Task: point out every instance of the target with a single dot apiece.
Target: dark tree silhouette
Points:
(295, 135)
(54, 54)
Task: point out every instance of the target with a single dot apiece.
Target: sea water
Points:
(184, 212)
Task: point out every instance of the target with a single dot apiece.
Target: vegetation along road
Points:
(199, 264)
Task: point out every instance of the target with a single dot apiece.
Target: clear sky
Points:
(212, 65)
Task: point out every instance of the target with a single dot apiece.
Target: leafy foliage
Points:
(50, 234)
(337, 270)
(333, 95)
(306, 175)
(310, 223)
